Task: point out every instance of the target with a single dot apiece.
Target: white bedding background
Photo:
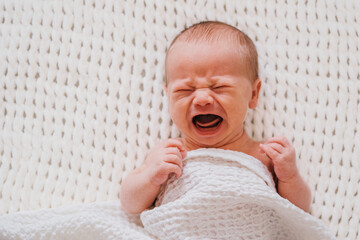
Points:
(81, 97)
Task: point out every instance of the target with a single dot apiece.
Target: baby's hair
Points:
(211, 31)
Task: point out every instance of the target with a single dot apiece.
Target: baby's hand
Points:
(283, 156)
(165, 159)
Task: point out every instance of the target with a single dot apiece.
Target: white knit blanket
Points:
(94, 221)
(227, 195)
(222, 194)
(82, 101)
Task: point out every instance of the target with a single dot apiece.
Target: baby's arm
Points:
(290, 184)
(142, 185)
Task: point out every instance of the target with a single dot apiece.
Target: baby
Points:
(211, 81)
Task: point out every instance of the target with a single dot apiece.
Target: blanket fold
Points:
(222, 194)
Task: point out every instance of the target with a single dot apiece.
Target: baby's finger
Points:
(174, 159)
(261, 148)
(276, 146)
(175, 142)
(173, 150)
(269, 151)
(183, 154)
(173, 168)
(178, 143)
(280, 140)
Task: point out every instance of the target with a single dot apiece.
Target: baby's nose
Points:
(203, 97)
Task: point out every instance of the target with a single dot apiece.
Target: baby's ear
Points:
(256, 86)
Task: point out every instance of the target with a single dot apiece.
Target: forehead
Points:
(203, 56)
(223, 41)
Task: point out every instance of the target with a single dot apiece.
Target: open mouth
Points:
(207, 121)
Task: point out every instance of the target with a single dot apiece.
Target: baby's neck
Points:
(242, 143)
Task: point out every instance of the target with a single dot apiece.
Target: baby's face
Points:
(209, 92)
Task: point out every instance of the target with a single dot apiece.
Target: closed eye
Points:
(220, 87)
(183, 90)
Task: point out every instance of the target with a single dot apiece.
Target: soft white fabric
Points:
(81, 98)
(93, 221)
(222, 194)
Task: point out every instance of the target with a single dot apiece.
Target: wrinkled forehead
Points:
(186, 52)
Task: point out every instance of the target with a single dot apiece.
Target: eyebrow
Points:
(181, 81)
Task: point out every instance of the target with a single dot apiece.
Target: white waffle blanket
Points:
(222, 194)
(94, 221)
(81, 99)
(227, 195)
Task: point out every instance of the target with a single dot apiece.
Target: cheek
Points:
(236, 107)
(178, 111)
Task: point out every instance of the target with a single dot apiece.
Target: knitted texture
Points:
(81, 97)
(224, 194)
(92, 221)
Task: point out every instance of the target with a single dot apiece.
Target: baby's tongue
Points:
(207, 120)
